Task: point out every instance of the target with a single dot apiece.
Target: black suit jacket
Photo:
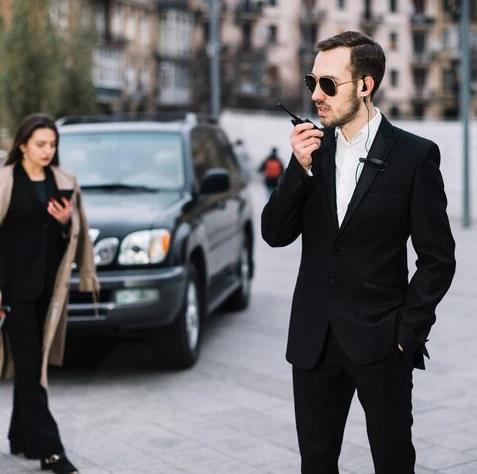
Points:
(355, 277)
(31, 242)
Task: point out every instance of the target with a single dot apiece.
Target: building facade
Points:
(155, 54)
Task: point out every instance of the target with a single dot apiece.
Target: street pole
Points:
(307, 55)
(464, 106)
(214, 53)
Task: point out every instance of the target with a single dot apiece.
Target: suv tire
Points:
(240, 298)
(178, 346)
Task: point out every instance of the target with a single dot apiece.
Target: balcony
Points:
(172, 4)
(314, 15)
(164, 54)
(370, 21)
(173, 97)
(247, 11)
(245, 53)
(421, 21)
(421, 60)
(422, 94)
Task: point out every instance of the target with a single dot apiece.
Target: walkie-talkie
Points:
(296, 120)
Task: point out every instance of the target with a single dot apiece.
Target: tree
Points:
(43, 69)
(78, 92)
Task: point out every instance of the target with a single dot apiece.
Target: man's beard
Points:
(347, 115)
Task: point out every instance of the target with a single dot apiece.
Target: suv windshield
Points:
(151, 160)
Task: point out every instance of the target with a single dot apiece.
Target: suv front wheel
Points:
(177, 346)
(240, 298)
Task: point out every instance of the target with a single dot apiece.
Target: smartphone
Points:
(5, 309)
(295, 120)
(63, 193)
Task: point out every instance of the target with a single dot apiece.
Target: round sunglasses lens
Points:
(327, 86)
(310, 82)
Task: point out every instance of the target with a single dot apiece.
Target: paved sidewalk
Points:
(233, 412)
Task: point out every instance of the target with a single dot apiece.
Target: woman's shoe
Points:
(59, 464)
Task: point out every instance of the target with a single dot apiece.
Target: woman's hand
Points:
(62, 213)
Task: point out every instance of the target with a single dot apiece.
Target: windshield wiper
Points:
(120, 187)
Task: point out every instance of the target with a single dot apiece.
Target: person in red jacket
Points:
(271, 168)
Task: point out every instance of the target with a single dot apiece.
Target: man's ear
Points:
(367, 87)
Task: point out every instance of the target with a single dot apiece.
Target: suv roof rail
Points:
(176, 116)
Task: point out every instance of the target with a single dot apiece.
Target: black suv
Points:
(170, 217)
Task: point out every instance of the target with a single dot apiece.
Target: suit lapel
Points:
(381, 145)
(327, 160)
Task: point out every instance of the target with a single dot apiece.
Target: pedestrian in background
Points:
(271, 168)
(41, 235)
(356, 192)
(244, 160)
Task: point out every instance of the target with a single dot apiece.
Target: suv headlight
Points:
(145, 246)
(105, 251)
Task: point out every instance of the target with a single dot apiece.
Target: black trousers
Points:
(33, 429)
(322, 400)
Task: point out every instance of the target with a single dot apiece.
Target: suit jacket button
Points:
(331, 281)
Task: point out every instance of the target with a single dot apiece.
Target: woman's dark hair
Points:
(366, 59)
(25, 130)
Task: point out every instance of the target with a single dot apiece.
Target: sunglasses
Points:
(327, 84)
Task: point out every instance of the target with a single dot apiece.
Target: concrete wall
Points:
(260, 132)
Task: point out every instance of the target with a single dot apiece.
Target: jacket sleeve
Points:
(434, 245)
(84, 252)
(282, 215)
(3, 257)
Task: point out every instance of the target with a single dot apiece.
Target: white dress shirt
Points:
(348, 166)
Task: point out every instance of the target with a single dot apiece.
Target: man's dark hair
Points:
(366, 58)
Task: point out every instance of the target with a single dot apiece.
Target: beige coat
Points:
(79, 250)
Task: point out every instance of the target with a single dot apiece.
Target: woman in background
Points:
(41, 234)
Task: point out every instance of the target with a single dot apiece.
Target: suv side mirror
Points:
(215, 180)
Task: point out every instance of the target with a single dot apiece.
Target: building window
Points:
(272, 34)
(175, 34)
(59, 14)
(446, 39)
(246, 37)
(108, 67)
(394, 78)
(419, 6)
(173, 83)
(418, 110)
(393, 41)
(131, 25)
(449, 80)
(273, 3)
(393, 6)
(419, 43)
(117, 23)
(145, 30)
(419, 77)
(341, 4)
(394, 112)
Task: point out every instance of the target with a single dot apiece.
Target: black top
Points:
(31, 241)
(42, 191)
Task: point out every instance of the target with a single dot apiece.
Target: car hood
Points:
(119, 213)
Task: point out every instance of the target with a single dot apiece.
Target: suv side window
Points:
(227, 157)
(205, 152)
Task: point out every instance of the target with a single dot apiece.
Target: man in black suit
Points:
(356, 191)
